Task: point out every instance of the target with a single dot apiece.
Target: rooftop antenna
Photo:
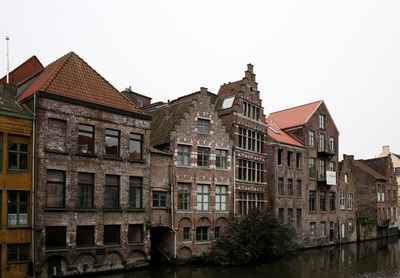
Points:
(8, 60)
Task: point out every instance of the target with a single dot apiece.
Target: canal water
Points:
(372, 259)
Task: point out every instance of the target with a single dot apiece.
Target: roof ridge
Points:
(58, 69)
(296, 106)
(371, 170)
(109, 84)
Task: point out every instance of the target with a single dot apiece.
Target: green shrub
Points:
(253, 237)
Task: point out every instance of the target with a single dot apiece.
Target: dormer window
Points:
(203, 126)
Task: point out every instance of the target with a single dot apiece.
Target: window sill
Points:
(112, 245)
(18, 170)
(159, 208)
(84, 248)
(19, 227)
(141, 161)
(19, 262)
(86, 155)
(85, 210)
(112, 210)
(136, 244)
(203, 242)
(56, 209)
(109, 157)
(55, 250)
(136, 210)
(184, 166)
(56, 151)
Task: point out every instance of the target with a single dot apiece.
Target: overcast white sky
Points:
(344, 52)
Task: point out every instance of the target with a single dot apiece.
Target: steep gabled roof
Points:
(279, 135)
(72, 77)
(365, 168)
(23, 72)
(165, 119)
(295, 116)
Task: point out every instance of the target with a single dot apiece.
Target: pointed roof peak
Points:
(70, 76)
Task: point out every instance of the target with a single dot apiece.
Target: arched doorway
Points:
(162, 245)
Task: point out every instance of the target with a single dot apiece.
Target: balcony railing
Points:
(383, 223)
(325, 149)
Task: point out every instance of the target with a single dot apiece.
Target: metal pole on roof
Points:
(8, 60)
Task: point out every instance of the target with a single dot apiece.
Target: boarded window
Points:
(56, 135)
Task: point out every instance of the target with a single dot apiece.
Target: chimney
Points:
(349, 157)
(8, 91)
(203, 90)
(250, 76)
(385, 150)
(250, 68)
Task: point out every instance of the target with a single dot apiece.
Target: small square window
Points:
(203, 126)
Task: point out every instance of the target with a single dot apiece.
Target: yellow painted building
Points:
(15, 186)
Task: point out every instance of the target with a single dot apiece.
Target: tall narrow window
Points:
(312, 228)
(135, 146)
(290, 216)
(135, 192)
(290, 187)
(112, 234)
(183, 196)
(281, 190)
(322, 142)
(203, 157)
(280, 156)
(342, 200)
(135, 233)
(85, 190)
(349, 201)
(298, 160)
(332, 201)
(18, 208)
(112, 142)
(220, 197)
(322, 201)
(242, 138)
(186, 233)
(86, 139)
(299, 188)
(311, 200)
(321, 121)
(111, 195)
(323, 228)
(183, 155)
(298, 217)
(1, 152)
(311, 168)
(84, 236)
(203, 126)
(311, 138)
(18, 152)
(322, 169)
(332, 144)
(203, 194)
(331, 166)
(289, 158)
(281, 216)
(55, 189)
(221, 159)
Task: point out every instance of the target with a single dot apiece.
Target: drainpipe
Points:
(171, 182)
(234, 180)
(33, 185)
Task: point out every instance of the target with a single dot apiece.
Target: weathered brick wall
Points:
(99, 257)
(186, 133)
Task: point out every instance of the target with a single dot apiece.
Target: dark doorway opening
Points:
(162, 245)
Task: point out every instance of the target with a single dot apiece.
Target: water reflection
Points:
(370, 259)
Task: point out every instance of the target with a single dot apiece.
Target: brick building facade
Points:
(92, 172)
(240, 108)
(307, 134)
(201, 173)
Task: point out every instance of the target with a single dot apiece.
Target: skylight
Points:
(228, 102)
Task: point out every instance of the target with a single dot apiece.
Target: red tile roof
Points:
(295, 116)
(72, 77)
(364, 167)
(23, 72)
(279, 135)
